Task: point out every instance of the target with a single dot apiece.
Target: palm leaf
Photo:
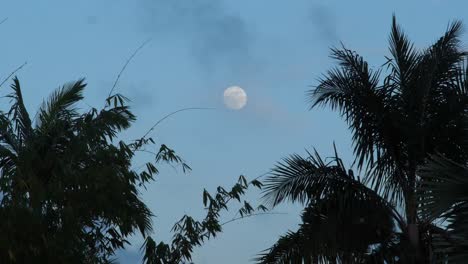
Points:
(288, 249)
(405, 58)
(343, 218)
(8, 137)
(354, 90)
(334, 229)
(444, 183)
(444, 194)
(59, 103)
(306, 179)
(19, 114)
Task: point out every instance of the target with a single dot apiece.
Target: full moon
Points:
(235, 97)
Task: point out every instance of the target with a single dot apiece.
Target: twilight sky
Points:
(273, 49)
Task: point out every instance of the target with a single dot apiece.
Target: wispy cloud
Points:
(213, 35)
(324, 22)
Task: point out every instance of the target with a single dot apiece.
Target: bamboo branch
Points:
(3, 21)
(173, 113)
(12, 73)
(126, 64)
(250, 215)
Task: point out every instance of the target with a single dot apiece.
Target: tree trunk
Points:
(413, 230)
(412, 217)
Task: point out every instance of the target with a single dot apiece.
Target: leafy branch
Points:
(190, 233)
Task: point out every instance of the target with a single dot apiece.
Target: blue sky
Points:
(273, 49)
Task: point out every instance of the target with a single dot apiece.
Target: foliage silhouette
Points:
(68, 190)
(190, 233)
(443, 194)
(397, 122)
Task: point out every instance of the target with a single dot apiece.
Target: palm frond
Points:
(60, 102)
(353, 89)
(451, 37)
(444, 183)
(436, 72)
(441, 60)
(461, 83)
(300, 179)
(108, 122)
(18, 113)
(443, 193)
(288, 249)
(291, 178)
(333, 230)
(450, 246)
(8, 138)
(405, 58)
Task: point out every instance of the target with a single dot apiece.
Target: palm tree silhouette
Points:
(397, 121)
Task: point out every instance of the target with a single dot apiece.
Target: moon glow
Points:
(235, 98)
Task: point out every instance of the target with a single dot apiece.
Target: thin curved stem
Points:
(173, 113)
(3, 21)
(250, 215)
(13, 72)
(126, 64)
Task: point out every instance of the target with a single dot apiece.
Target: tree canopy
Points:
(69, 191)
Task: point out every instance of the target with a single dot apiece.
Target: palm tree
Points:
(396, 123)
(69, 193)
